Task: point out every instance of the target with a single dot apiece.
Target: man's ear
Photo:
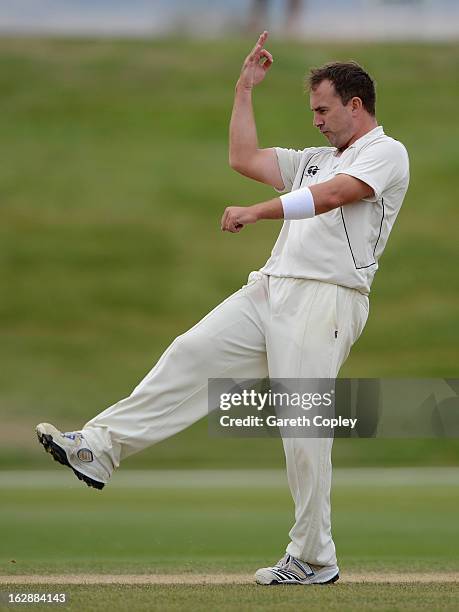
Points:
(356, 104)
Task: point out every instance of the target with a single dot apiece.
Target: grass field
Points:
(228, 598)
(114, 175)
(383, 526)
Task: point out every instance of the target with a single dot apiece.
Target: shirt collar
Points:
(368, 137)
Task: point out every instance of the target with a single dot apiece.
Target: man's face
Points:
(331, 117)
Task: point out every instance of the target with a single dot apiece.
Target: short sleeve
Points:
(380, 165)
(289, 161)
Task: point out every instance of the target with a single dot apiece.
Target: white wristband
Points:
(298, 204)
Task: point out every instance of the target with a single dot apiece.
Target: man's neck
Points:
(366, 127)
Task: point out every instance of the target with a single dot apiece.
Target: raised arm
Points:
(244, 155)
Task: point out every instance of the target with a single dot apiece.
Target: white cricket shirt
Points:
(343, 245)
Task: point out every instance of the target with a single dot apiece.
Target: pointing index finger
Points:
(260, 42)
(263, 36)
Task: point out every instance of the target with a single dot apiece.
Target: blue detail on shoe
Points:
(304, 569)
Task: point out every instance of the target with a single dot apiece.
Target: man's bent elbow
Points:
(238, 165)
(233, 163)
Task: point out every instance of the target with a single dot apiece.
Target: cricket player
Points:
(297, 317)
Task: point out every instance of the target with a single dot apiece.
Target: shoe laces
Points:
(284, 561)
(73, 435)
(293, 564)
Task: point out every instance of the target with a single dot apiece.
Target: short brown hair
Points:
(349, 80)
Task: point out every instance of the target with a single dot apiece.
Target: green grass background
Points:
(342, 598)
(381, 523)
(71, 529)
(114, 176)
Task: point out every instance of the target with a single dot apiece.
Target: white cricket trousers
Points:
(273, 326)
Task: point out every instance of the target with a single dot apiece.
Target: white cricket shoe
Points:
(293, 571)
(72, 450)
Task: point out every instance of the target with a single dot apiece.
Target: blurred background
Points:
(114, 174)
(302, 19)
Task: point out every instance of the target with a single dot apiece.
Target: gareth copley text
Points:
(274, 421)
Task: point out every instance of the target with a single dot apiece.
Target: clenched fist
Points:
(235, 217)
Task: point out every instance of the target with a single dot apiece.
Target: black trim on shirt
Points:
(380, 227)
(376, 243)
